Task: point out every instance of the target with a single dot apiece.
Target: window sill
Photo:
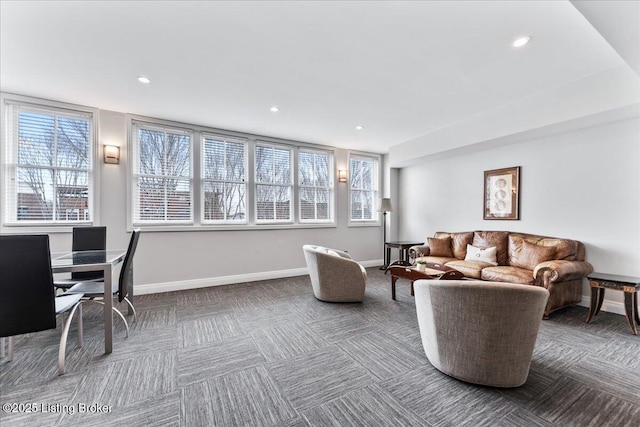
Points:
(207, 228)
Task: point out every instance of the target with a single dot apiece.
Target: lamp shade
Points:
(385, 205)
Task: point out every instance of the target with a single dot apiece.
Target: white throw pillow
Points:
(334, 253)
(481, 255)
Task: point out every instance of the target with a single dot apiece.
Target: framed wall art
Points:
(502, 193)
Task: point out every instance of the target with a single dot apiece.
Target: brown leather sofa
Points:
(556, 264)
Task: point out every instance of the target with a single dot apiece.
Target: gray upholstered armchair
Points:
(335, 277)
(480, 332)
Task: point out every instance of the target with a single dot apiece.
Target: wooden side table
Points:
(403, 252)
(629, 285)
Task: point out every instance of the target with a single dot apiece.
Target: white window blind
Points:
(224, 187)
(363, 187)
(315, 170)
(273, 183)
(48, 165)
(162, 175)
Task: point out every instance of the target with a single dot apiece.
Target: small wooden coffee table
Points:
(432, 272)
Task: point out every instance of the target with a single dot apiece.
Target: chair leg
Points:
(126, 325)
(10, 350)
(63, 339)
(135, 315)
(80, 327)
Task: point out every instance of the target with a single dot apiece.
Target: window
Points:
(273, 183)
(48, 165)
(162, 177)
(315, 170)
(224, 187)
(363, 187)
(184, 176)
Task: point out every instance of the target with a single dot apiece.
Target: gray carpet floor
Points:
(269, 354)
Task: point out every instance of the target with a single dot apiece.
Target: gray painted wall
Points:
(583, 185)
(214, 257)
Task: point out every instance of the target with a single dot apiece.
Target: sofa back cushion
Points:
(499, 239)
(459, 242)
(565, 249)
(525, 254)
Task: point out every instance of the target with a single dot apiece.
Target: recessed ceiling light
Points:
(274, 109)
(143, 79)
(359, 127)
(521, 41)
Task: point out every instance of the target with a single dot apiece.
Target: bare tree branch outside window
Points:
(363, 188)
(224, 186)
(273, 183)
(53, 169)
(315, 186)
(164, 190)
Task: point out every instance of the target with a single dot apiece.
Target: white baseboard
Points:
(608, 306)
(154, 288)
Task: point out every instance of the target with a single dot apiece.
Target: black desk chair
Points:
(94, 291)
(28, 303)
(85, 239)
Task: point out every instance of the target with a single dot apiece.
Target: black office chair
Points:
(85, 239)
(28, 303)
(94, 291)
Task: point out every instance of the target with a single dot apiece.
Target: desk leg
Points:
(630, 308)
(393, 287)
(635, 304)
(108, 310)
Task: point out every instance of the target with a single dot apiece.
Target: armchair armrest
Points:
(418, 251)
(560, 270)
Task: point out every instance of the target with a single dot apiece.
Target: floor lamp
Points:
(384, 206)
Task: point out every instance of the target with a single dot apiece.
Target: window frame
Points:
(198, 172)
(133, 177)
(376, 182)
(9, 160)
(330, 187)
(292, 177)
(203, 179)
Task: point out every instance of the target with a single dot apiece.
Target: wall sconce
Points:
(342, 175)
(111, 154)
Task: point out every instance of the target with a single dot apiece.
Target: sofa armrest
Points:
(418, 251)
(560, 270)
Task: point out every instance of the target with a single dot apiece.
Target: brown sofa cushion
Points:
(459, 242)
(440, 247)
(565, 249)
(436, 259)
(525, 254)
(508, 274)
(499, 239)
(468, 268)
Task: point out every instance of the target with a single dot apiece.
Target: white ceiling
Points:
(401, 69)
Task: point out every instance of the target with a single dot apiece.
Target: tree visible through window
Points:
(363, 187)
(224, 188)
(315, 186)
(49, 159)
(273, 183)
(162, 170)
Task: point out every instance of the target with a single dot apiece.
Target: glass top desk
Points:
(94, 261)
